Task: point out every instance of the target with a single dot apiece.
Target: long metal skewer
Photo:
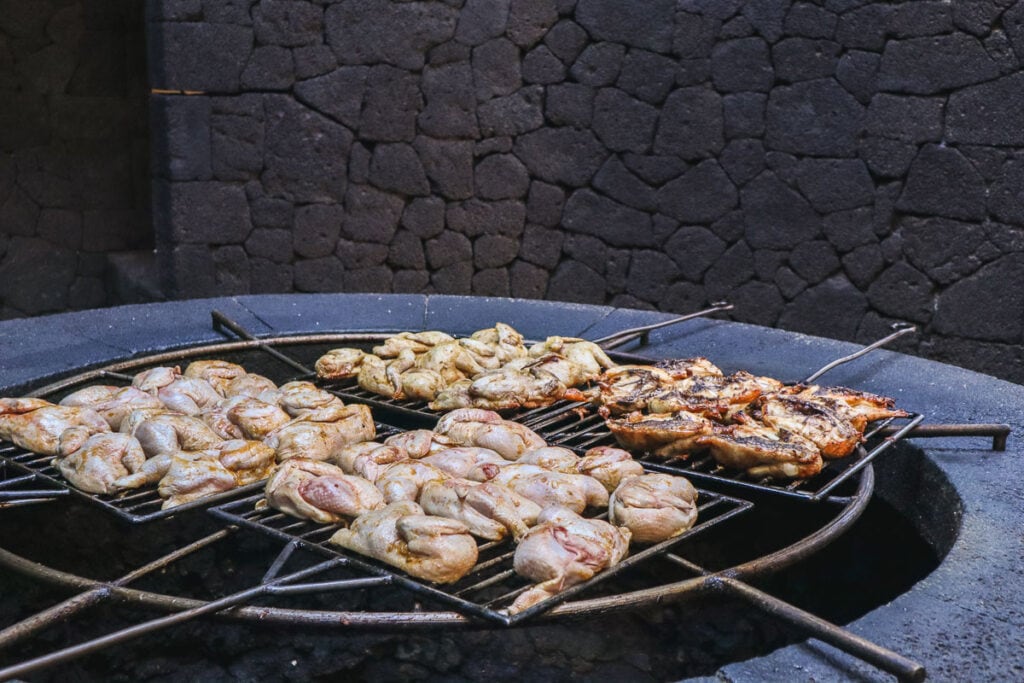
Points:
(624, 336)
(901, 329)
(222, 322)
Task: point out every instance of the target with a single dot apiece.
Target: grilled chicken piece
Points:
(573, 491)
(305, 399)
(320, 491)
(589, 358)
(486, 429)
(112, 403)
(654, 507)
(404, 480)
(186, 395)
(502, 389)
(663, 435)
(339, 363)
(193, 476)
(554, 458)
(504, 341)
(610, 466)
(218, 373)
(322, 440)
(563, 550)
(101, 461)
(417, 342)
(817, 421)
(45, 428)
(169, 433)
(377, 377)
(488, 510)
(254, 386)
(250, 461)
(627, 388)
(253, 417)
(426, 547)
(856, 404)
(419, 443)
(763, 451)
(368, 459)
(467, 462)
(451, 360)
(681, 368)
(421, 384)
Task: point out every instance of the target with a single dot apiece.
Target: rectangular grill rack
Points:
(492, 584)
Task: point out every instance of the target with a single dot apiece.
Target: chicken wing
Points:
(486, 429)
(610, 466)
(45, 428)
(101, 461)
(488, 510)
(585, 355)
(857, 405)
(320, 491)
(573, 491)
(654, 507)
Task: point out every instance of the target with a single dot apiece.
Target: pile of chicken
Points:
(417, 500)
(751, 423)
(196, 434)
(491, 369)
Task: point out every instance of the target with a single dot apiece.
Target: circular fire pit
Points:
(910, 484)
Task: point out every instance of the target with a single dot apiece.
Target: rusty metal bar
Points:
(901, 329)
(625, 336)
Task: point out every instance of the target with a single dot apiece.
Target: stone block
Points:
(209, 212)
(317, 227)
(494, 251)
(481, 20)
(701, 195)
(270, 245)
(19, 215)
(743, 160)
(540, 65)
(814, 260)
(616, 181)
(647, 75)
(60, 226)
(371, 215)
(501, 176)
(812, 311)
(987, 114)
(410, 282)
(287, 23)
(541, 246)
(570, 104)
(847, 230)
(181, 143)
(976, 307)
(236, 138)
(885, 157)
(376, 279)
(623, 123)
(450, 110)
(496, 69)
(530, 20)
(863, 264)
(527, 281)
(617, 22)
(339, 95)
(476, 217)
(514, 114)
(544, 204)
(391, 103)
(566, 40)
(941, 182)
(268, 277)
(424, 217)
(758, 303)
(789, 283)
(934, 64)
(775, 216)
(650, 274)
(395, 167)
(105, 230)
(448, 164)
(28, 287)
(192, 271)
(561, 155)
(269, 68)
(587, 249)
(694, 249)
(1006, 200)
(591, 214)
(449, 248)
(804, 59)
(857, 71)
(730, 270)
(599, 64)
(325, 274)
(926, 18)
(655, 169)
(305, 153)
(491, 282)
(454, 279)
(816, 118)
(835, 184)
(691, 124)
(809, 21)
(198, 56)
(944, 249)
(865, 27)
(911, 119)
(767, 17)
(406, 251)
(742, 65)
(743, 114)
(313, 60)
(576, 282)
(361, 255)
(380, 31)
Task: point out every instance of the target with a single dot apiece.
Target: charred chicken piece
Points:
(663, 435)
(218, 373)
(192, 476)
(467, 462)
(576, 492)
(817, 421)
(426, 547)
(101, 461)
(563, 550)
(610, 466)
(857, 405)
(320, 491)
(763, 451)
(339, 363)
(488, 510)
(628, 388)
(486, 429)
(112, 403)
(405, 479)
(681, 368)
(306, 438)
(654, 507)
(45, 428)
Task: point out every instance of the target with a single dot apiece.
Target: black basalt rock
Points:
(297, 139)
(623, 123)
(591, 214)
(615, 21)
(987, 114)
(935, 63)
(691, 124)
(701, 195)
(817, 118)
(775, 216)
(561, 155)
(942, 182)
(814, 309)
(742, 65)
(378, 31)
(835, 184)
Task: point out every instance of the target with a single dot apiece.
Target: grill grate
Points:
(492, 585)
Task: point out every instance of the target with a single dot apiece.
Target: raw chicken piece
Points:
(305, 399)
(253, 417)
(323, 440)
(486, 429)
(154, 379)
(254, 386)
(417, 342)
(320, 491)
(563, 550)
(610, 466)
(573, 491)
(467, 462)
(182, 394)
(421, 384)
(45, 428)
(554, 458)
(763, 451)
(426, 547)
(368, 459)
(169, 433)
(587, 356)
(419, 443)
(112, 403)
(654, 507)
(404, 480)
(218, 373)
(663, 435)
(250, 461)
(505, 342)
(489, 511)
(377, 377)
(451, 360)
(339, 363)
(191, 477)
(101, 461)
(509, 387)
(140, 415)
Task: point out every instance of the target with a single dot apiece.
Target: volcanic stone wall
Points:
(827, 166)
(74, 177)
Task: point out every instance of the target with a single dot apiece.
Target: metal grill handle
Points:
(624, 336)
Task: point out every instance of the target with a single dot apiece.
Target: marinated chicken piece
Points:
(112, 403)
(169, 433)
(737, 388)
(858, 404)
(186, 395)
(564, 370)
(322, 440)
(218, 373)
(45, 428)
(488, 510)
(674, 400)
(419, 443)
(586, 355)
(663, 435)
(339, 363)
(574, 491)
(368, 459)
(254, 418)
(763, 451)
(378, 377)
(654, 507)
(563, 550)
(140, 415)
(101, 461)
(154, 379)
(191, 477)
(486, 429)
(502, 389)
(504, 341)
(305, 399)
(404, 480)
(627, 388)
(467, 462)
(250, 461)
(454, 396)
(451, 360)
(417, 342)
(319, 491)
(554, 458)
(254, 386)
(817, 421)
(610, 466)
(421, 384)
(681, 368)
(426, 547)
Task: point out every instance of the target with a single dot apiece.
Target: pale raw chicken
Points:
(376, 376)
(467, 462)
(554, 458)
(339, 363)
(502, 389)
(254, 386)
(245, 417)
(368, 459)
(112, 403)
(417, 342)
(451, 360)
(101, 461)
(193, 476)
(563, 550)
(250, 461)
(421, 384)
(574, 491)
(489, 511)
(45, 428)
(505, 342)
(305, 399)
(610, 466)
(218, 373)
(654, 507)
(320, 491)
(404, 480)
(323, 440)
(426, 547)
(182, 394)
(486, 429)
(564, 370)
(140, 415)
(588, 356)
(169, 433)
(154, 379)
(419, 443)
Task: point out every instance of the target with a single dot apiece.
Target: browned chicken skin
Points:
(762, 451)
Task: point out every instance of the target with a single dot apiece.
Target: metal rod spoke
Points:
(14, 481)
(27, 501)
(221, 321)
(901, 329)
(325, 586)
(624, 336)
(33, 493)
(280, 560)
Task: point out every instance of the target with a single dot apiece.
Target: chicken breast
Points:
(101, 461)
(319, 491)
(322, 440)
(488, 510)
(654, 507)
(573, 491)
